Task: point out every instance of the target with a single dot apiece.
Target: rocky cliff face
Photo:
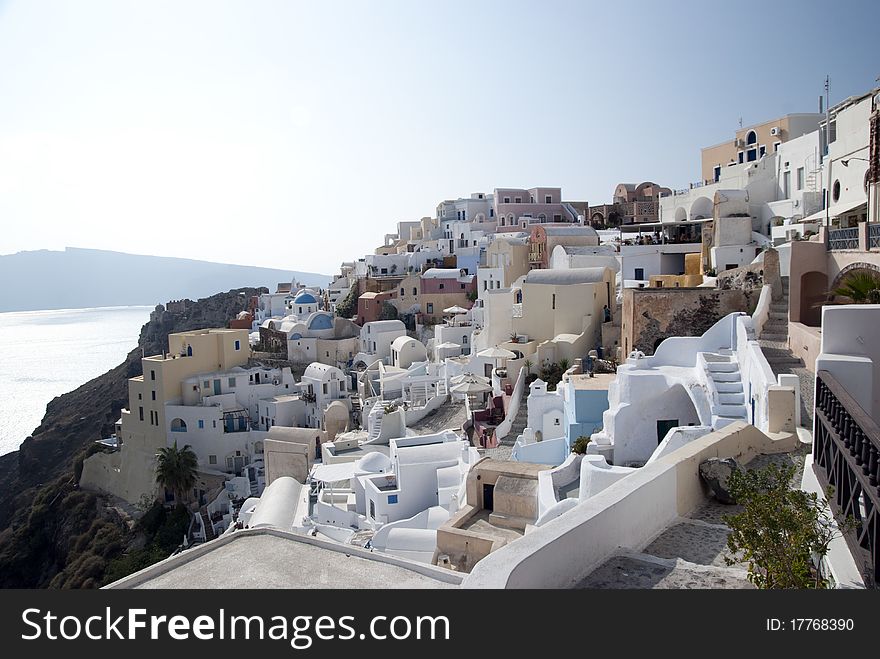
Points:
(46, 460)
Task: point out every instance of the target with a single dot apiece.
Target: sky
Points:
(296, 134)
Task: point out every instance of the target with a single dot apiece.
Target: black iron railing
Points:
(843, 238)
(846, 450)
(874, 236)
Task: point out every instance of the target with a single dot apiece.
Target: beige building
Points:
(130, 473)
(564, 307)
(752, 142)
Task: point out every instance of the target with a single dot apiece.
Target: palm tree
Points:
(176, 469)
(862, 287)
(563, 364)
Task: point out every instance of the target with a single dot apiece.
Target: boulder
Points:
(715, 472)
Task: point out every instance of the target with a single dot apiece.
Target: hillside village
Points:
(520, 390)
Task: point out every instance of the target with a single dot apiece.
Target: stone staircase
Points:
(519, 424)
(206, 521)
(774, 336)
(356, 410)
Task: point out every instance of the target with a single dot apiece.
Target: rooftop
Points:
(271, 559)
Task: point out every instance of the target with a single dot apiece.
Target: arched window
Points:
(835, 191)
(178, 425)
(189, 351)
(751, 137)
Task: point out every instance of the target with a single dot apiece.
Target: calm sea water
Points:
(44, 354)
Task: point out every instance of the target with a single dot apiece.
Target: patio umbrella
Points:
(456, 379)
(471, 387)
(496, 353)
(455, 310)
(447, 346)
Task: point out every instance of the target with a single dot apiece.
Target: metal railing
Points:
(846, 450)
(874, 236)
(843, 238)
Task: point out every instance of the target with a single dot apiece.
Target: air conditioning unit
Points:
(776, 131)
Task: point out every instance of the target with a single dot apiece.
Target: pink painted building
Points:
(537, 205)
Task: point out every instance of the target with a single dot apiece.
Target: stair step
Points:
(726, 376)
(732, 411)
(765, 336)
(722, 367)
(731, 398)
(779, 316)
(729, 387)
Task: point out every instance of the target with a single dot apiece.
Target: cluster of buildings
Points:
(519, 390)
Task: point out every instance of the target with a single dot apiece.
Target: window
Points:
(140, 396)
(518, 200)
(776, 146)
(392, 498)
(491, 212)
(415, 291)
(141, 410)
(752, 155)
(324, 388)
(553, 302)
(441, 287)
(206, 384)
(761, 151)
(212, 459)
(740, 157)
(832, 132)
(659, 283)
(152, 375)
(751, 137)
(237, 344)
(716, 173)
(800, 178)
(201, 424)
(430, 308)
(835, 191)
(547, 199)
(462, 286)
(232, 383)
(153, 394)
(178, 425)
(507, 200)
(786, 184)
(402, 292)
(557, 218)
(640, 273)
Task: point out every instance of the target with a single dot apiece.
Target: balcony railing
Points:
(517, 310)
(873, 236)
(846, 450)
(843, 238)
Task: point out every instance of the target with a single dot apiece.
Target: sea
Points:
(44, 354)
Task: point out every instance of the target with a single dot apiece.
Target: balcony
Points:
(846, 450)
(843, 238)
(874, 236)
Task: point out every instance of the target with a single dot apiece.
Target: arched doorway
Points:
(814, 291)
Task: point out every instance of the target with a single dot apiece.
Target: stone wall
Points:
(653, 314)
(753, 276)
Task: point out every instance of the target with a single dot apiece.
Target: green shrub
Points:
(579, 445)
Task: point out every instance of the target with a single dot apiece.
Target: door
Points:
(489, 497)
(487, 370)
(216, 387)
(640, 273)
(663, 427)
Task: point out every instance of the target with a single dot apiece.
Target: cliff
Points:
(46, 522)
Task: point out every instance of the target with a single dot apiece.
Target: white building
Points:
(376, 338)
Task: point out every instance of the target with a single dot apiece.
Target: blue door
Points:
(216, 387)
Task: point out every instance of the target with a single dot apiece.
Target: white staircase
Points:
(375, 420)
(728, 404)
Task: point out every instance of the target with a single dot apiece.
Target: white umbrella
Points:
(447, 346)
(496, 353)
(471, 387)
(455, 310)
(455, 379)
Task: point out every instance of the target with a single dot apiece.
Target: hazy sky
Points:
(295, 135)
